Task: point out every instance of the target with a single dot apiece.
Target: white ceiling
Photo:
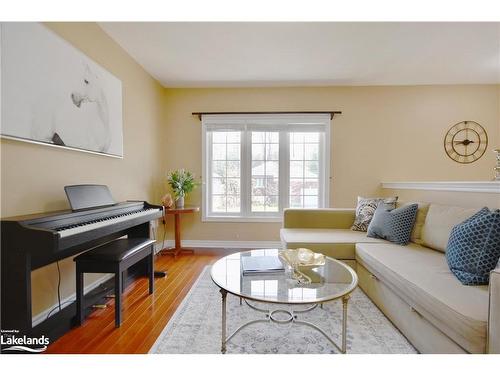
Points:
(312, 54)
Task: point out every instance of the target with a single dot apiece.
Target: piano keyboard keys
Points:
(99, 223)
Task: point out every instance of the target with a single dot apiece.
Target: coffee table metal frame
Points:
(292, 314)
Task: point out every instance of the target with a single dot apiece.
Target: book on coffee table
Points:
(261, 264)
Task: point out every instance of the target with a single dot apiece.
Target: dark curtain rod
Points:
(331, 113)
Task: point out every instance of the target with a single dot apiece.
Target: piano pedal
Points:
(99, 306)
(109, 296)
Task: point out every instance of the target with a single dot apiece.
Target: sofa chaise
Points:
(412, 285)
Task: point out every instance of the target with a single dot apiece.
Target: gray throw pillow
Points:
(393, 225)
(366, 208)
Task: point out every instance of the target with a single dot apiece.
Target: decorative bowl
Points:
(303, 258)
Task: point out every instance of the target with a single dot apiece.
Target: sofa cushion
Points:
(474, 247)
(422, 278)
(366, 208)
(393, 225)
(440, 221)
(423, 208)
(337, 243)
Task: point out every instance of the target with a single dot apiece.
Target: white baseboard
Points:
(223, 244)
(42, 316)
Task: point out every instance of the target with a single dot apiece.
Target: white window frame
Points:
(284, 123)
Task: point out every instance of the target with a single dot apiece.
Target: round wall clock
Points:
(466, 142)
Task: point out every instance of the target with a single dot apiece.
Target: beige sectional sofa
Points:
(412, 285)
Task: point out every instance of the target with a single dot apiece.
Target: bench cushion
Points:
(422, 278)
(115, 251)
(336, 243)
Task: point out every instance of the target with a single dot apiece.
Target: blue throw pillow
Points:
(474, 247)
(393, 225)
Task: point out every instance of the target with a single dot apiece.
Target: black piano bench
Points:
(113, 257)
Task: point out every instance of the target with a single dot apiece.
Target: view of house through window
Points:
(255, 166)
(265, 171)
(304, 169)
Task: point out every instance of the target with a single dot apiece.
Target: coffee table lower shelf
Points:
(291, 319)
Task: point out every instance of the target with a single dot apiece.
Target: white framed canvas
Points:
(53, 94)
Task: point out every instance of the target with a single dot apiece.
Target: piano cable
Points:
(59, 304)
(155, 235)
(164, 233)
(164, 221)
(58, 285)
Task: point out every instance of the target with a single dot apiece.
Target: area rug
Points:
(195, 328)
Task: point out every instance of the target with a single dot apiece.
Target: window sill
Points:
(237, 219)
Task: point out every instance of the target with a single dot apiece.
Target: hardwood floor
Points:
(144, 315)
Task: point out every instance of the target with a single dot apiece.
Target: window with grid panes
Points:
(254, 166)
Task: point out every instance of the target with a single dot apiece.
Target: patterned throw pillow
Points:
(474, 247)
(393, 225)
(366, 208)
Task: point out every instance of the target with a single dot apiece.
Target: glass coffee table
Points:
(288, 296)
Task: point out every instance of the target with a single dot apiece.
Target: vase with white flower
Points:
(182, 182)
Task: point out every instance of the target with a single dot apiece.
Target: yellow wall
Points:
(33, 176)
(383, 134)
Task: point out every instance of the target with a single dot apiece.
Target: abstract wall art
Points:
(53, 94)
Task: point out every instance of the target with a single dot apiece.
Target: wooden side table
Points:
(177, 212)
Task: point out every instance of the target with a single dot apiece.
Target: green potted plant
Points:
(182, 182)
